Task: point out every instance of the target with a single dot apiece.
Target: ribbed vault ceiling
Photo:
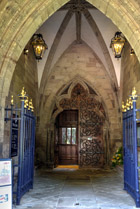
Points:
(80, 22)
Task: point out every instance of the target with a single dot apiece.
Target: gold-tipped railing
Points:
(129, 103)
(23, 97)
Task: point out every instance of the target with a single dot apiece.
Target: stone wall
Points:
(130, 73)
(25, 75)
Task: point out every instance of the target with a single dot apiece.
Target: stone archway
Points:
(93, 126)
(21, 19)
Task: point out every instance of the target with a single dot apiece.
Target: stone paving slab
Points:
(81, 189)
(75, 208)
(66, 201)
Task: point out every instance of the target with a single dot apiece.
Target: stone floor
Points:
(69, 188)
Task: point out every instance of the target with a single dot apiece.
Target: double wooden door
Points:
(67, 137)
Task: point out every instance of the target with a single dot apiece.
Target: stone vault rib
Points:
(101, 41)
(53, 49)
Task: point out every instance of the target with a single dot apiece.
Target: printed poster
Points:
(5, 173)
(6, 197)
(5, 184)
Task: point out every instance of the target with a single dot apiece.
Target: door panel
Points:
(67, 142)
(68, 154)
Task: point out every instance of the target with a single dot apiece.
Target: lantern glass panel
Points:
(117, 48)
(39, 51)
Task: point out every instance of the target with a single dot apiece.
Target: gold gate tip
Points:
(12, 100)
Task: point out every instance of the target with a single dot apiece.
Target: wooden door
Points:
(67, 142)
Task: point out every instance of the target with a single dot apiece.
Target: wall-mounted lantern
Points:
(117, 44)
(39, 46)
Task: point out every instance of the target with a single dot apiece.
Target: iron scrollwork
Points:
(92, 116)
(91, 152)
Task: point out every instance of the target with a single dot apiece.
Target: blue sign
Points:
(14, 139)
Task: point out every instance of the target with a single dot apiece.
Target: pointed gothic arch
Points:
(23, 18)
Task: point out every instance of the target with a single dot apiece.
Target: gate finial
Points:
(134, 94)
(123, 107)
(12, 100)
(127, 105)
(130, 103)
(23, 95)
(31, 105)
(26, 103)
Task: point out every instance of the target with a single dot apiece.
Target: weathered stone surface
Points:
(70, 188)
(130, 73)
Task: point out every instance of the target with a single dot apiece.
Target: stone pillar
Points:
(50, 146)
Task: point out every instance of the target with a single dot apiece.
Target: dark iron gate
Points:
(22, 141)
(131, 117)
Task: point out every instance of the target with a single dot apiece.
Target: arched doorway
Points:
(79, 129)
